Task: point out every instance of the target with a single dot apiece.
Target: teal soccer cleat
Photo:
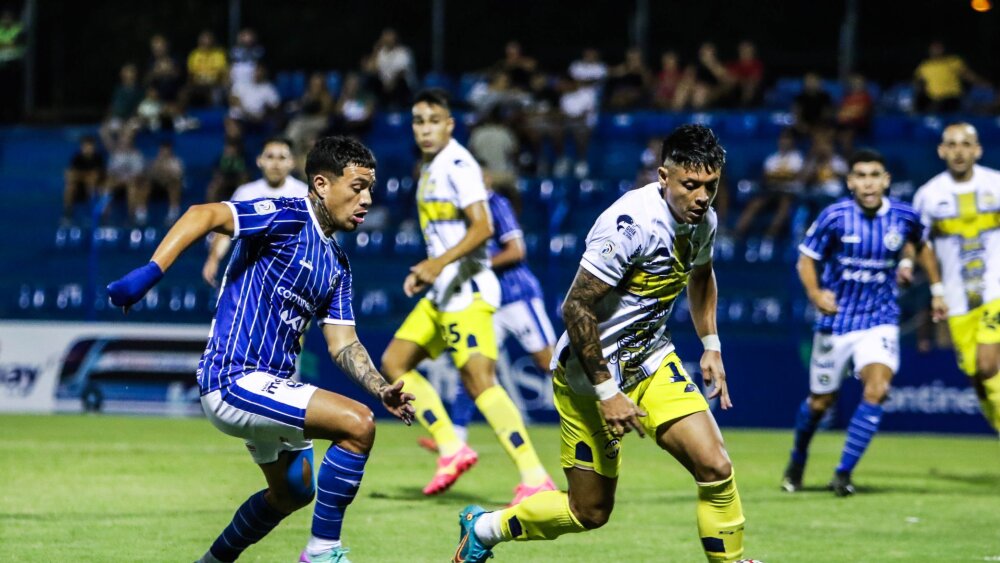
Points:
(336, 555)
(470, 549)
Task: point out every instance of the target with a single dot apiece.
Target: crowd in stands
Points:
(527, 119)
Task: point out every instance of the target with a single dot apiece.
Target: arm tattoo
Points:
(581, 324)
(354, 360)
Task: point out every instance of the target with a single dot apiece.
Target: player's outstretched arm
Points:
(703, 297)
(620, 413)
(352, 357)
(479, 229)
(822, 299)
(197, 221)
(928, 261)
(510, 253)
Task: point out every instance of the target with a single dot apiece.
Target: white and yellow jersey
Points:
(449, 184)
(964, 221)
(638, 247)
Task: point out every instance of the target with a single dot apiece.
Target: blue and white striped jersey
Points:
(283, 271)
(517, 283)
(858, 255)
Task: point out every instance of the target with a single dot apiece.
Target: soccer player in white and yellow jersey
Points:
(962, 207)
(617, 370)
(456, 314)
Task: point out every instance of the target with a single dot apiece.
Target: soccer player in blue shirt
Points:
(286, 268)
(857, 245)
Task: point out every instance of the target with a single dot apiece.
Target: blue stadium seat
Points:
(657, 124)
(443, 81)
(334, 80)
(891, 128)
(466, 83)
(738, 125)
(618, 127)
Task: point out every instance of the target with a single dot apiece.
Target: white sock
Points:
(208, 558)
(319, 546)
(463, 433)
(487, 528)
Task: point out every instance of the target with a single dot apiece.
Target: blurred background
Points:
(103, 103)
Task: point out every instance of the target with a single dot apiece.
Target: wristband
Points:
(130, 289)
(606, 389)
(906, 263)
(712, 342)
(937, 289)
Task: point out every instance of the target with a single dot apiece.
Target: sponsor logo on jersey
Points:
(612, 448)
(608, 250)
(626, 226)
(290, 295)
(893, 240)
(264, 207)
(851, 239)
(293, 319)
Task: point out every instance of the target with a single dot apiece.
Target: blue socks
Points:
(806, 422)
(860, 431)
(252, 521)
(339, 479)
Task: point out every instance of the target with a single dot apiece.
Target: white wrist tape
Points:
(712, 342)
(607, 389)
(906, 263)
(937, 289)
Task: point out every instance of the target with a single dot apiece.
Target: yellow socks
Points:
(720, 520)
(991, 404)
(506, 421)
(431, 413)
(543, 516)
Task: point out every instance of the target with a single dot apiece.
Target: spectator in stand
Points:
(12, 39)
(824, 170)
(255, 103)
(782, 185)
(629, 82)
(207, 72)
(495, 146)
(578, 106)
(353, 112)
(166, 173)
(711, 79)
(589, 71)
(649, 163)
(232, 132)
(746, 74)
(150, 115)
(230, 173)
(542, 122)
(84, 175)
(397, 73)
(497, 94)
(164, 76)
(939, 80)
(667, 82)
(854, 116)
(125, 102)
(518, 67)
(125, 172)
(244, 57)
(812, 109)
(313, 115)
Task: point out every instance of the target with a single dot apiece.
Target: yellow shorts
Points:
(462, 333)
(979, 326)
(587, 442)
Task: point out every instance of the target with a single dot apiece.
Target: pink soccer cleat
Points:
(450, 468)
(523, 491)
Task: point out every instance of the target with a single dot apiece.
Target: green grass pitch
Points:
(103, 488)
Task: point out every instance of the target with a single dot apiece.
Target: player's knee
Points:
(985, 369)
(592, 516)
(392, 367)
(300, 478)
(876, 392)
(361, 428)
(821, 402)
(717, 469)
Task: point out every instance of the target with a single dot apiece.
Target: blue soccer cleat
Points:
(470, 548)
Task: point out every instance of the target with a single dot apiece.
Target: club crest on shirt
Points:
(893, 240)
(608, 250)
(264, 207)
(626, 226)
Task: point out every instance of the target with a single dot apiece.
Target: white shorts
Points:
(833, 354)
(526, 321)
(268, 412)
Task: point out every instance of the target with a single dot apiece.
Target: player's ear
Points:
(320, 184)
(662, 173)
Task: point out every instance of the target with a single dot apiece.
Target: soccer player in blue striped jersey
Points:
(286, 268)
(857, 244)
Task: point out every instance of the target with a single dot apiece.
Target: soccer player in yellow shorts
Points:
(456, 314)
(962, 207)
(616, 368)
